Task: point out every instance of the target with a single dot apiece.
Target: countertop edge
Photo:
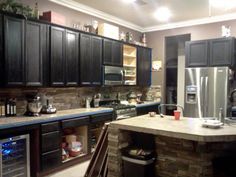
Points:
(51, 119)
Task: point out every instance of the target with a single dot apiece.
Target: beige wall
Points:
(156, 40)
(73, 16)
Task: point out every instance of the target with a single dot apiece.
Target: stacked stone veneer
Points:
(176, 157)
(66, 98)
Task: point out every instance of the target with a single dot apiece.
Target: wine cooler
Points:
(14, 157)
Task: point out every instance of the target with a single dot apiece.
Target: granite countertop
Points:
(11, 122)
(185, 128)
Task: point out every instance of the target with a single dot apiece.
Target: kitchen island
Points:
(184, 148)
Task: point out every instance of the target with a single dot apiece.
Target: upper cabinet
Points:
(197, 53)
(112, 53)
(72, 58)
(144, 66)
(90, 60)
(210, 53)
(57, 62)
(64, 62)
(35, 52)
(130, 64)
(14, 51)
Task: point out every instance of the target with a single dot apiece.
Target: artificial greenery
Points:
(16, 8)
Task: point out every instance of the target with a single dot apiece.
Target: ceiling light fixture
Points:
(223, 4)
(129, 1)
(163, 14)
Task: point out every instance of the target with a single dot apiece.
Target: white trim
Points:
(97, 13)
(187, 23)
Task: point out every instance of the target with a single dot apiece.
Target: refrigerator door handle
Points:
(201, 97)
(206, 96)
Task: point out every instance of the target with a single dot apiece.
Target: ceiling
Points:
(140, 15)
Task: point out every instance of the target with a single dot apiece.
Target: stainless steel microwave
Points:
(113, 75)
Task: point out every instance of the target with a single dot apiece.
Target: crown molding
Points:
(97, 13)
(188, 23)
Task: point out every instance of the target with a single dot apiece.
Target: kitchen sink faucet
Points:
(176, 105)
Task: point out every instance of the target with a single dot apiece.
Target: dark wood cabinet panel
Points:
(1, 51)
(117, 53)
(197, 53)
(144, 66)
(96, 64)
(50, 127)
(85, 59)
(57, 56)
(76, 122)
(101, 117)
(50, 141)
(107, 52)
(112, 53)
(90, 60)
(72, 58)
(14, 51)
(51, 160)
(221, 52)
(36, 35)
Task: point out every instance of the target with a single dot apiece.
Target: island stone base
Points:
(176, 157)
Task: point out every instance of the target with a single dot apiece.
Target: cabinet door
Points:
(144, 66)
(51, 160)
(36, 34)
(14, 51)
(57, 56)
(221, 51)
(85, 59)
(117, 53)
(197, 53)
(107, 52)
(96, 66)
(50, 141)
(1, 51)
(72, 58)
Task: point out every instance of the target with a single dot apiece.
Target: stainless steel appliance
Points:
(34, 106)
(15, 157)
(207, 91)
(121, 111)
(113, 75)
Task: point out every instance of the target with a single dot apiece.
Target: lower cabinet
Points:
(70, 140)
(50, 154)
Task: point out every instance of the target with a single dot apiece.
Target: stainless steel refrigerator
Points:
(207, 91)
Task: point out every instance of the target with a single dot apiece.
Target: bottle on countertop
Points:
(2, 108)
(8, 108)
(13, 105)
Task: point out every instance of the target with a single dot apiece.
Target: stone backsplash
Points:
(72, 97)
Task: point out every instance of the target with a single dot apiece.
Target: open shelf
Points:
(76, 137)
(130, 64)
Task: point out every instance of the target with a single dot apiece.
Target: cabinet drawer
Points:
(50, 127)
(75, 122)
(101, 118)
(50, 141)
(50, 160)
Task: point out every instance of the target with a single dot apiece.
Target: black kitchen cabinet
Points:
(35, 52)
(222, 52)
(58, 38)
(14, 51)
(1, 50)
(72, 58)
(112, 53)
(197, 53)
(50, 154)
(210, 53)
(90, 60)
(144, 66)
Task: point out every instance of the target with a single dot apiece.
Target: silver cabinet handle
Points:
(206, 96)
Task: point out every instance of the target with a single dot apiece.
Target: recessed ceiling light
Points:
(223, 4)
(162, 14)
(129, 1)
